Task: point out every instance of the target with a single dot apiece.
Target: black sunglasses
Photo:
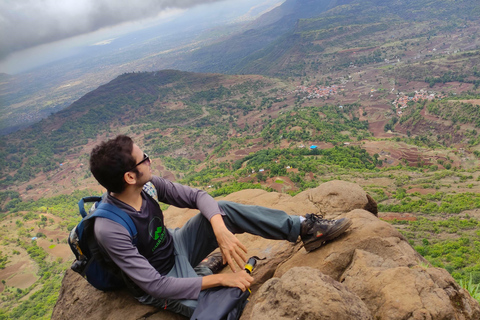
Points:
(145, 158)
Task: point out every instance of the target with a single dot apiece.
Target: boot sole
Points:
(315, 243)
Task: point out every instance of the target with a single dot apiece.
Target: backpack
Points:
(90, 263)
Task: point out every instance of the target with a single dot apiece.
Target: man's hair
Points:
(110, 160)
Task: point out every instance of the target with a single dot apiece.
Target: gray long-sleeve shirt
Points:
(153, 240)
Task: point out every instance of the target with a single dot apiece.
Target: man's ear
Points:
(130, 177)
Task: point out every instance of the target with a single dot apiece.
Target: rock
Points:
(79, 300)
(372, 262)
(306, 293)
(336, 197)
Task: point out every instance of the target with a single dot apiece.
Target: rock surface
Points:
(370, 272)
(306, 293)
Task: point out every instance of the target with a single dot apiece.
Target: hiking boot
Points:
(315, 230)
(214, 262)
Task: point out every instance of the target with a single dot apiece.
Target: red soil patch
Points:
(294, 170)
(56, 250)
(18, 275)
(22, 281)
(162, 172)
(280, 187)
(428, 116)
(11, 269)
(472, 101)
(54, 234)
(242, 153)
(377, 129)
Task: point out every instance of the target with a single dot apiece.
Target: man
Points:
(162, 264)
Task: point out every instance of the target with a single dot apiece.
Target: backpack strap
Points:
(81, 204)
(109, 211)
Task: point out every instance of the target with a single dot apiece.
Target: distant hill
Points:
(299, 38)
(303, 32)
(197, 104)
(227, 56)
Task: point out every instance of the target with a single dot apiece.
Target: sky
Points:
(28, 23)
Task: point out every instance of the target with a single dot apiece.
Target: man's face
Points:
(144, 168)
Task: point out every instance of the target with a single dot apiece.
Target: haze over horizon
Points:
(33, 35)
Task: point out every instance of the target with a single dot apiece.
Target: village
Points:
(402, 101)
(317, 92)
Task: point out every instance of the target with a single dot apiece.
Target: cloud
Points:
(27, 23)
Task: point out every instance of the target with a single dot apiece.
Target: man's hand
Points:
(241, 280)
(232, 249)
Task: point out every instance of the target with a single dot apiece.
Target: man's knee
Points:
(223, 204)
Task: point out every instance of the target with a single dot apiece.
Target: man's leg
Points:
(193, 242)
(196, 240)
(264, 222)
(313, 229)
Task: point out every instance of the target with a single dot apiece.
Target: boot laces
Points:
(318, 218)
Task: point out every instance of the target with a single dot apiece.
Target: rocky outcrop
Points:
(370, 272)
(306, 293)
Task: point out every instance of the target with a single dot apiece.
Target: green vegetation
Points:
(275, 162)
(458, 251)
(195, 105)
(234, 187)
(39, 305)
(327, 124)
(456, 111)
(439, 202)
(3, 260)
(451, 76)
(43, 294)
(473, 289)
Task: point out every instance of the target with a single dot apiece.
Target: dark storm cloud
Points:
(26, 23)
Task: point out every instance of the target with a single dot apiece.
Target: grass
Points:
(473, 289)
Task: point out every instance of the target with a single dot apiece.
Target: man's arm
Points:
(241, 280)
(182, 196)
(115, 240)
(185, 197)
(232, 249)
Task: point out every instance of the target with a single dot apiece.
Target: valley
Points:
(389, 102)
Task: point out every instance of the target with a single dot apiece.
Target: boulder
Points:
(370, 272)
(336, 197)
(374, 261)
(79, 300)
(306, 293)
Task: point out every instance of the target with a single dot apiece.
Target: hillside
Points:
(227, 56)
(354, 92)
(318, 37)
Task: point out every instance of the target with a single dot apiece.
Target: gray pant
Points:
(196, 240)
